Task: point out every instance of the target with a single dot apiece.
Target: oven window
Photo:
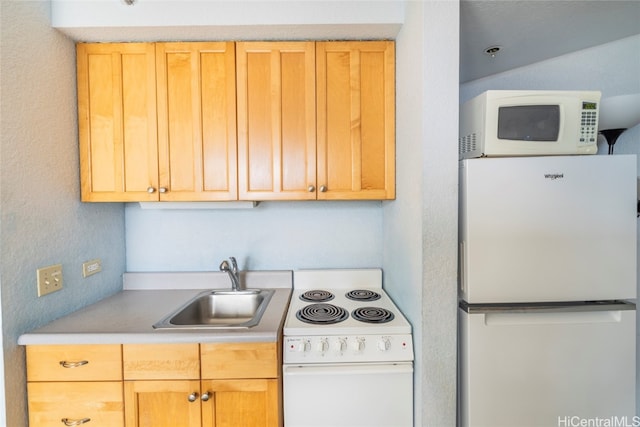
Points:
(529, 123)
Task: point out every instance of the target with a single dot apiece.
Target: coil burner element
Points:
(372, 315)
(316, 296)
(362, 295)
(322, 314)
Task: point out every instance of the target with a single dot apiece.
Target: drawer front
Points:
(95, 403)
(74, 363)
(239, 360)
(161, 361)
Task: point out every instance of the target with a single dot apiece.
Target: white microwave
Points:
(529, 123)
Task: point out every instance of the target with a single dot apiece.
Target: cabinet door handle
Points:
(151, 190)
(193, 397)
(163, 189)
(206, 396)
(77, 422)
(311, 188)
(323, 188)
(71, 365)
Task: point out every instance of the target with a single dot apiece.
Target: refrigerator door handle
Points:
(553, 318)
(563, 307)
(462, 267)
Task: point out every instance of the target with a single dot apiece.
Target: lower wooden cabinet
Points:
(75, 385)
(155, 385)
(207, 403)
(221, 385)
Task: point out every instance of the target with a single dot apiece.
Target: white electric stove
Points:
(348, 353)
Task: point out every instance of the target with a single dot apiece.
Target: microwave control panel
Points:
(589, 123)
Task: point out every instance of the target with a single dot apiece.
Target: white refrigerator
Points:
(547, 318)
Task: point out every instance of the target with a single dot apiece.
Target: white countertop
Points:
(128, 316)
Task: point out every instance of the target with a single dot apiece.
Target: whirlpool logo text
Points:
(553, 176)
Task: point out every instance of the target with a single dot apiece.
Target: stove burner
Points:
(316, 296)
(323, 314)
(362, 295)
(372, 315)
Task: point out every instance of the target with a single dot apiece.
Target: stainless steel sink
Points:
(219, 309)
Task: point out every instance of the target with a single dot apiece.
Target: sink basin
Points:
(219, 309)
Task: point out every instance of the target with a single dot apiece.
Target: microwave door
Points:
(558, 228)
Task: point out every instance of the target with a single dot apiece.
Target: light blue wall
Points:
(42, 221)
(613, 68)
(271, 236)
(420, 227)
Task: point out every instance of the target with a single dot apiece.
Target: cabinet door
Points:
(162, 403)
(246, 403)
(75, 403)
(117, 121)
(276, 121)
(196, 121)
(356, 120)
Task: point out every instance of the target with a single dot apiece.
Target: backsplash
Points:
(271, 236)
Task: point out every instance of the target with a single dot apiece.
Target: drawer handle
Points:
(81, 421)
(66, 364)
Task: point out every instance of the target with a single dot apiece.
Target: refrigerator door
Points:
(557, 228)
(546, 368)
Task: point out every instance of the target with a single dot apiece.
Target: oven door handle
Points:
(355, 368)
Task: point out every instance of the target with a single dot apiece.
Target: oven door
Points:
(348, 395)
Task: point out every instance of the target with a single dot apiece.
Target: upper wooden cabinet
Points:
(169, 139)
(196, 121)
(117, 121)
(276, 120)
(356, 120)
(315, 120)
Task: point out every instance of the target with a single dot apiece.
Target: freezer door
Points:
(546, 368)
(557, 228)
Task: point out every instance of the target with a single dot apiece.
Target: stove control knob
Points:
(358, 344)
(323, 345)
(303, 346)
(339, 345)
(384, 344)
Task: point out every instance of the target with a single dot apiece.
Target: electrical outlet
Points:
(49, 279)
(91, 267)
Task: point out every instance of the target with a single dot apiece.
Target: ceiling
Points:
(530, 31)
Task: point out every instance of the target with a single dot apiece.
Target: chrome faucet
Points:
(232, 271)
